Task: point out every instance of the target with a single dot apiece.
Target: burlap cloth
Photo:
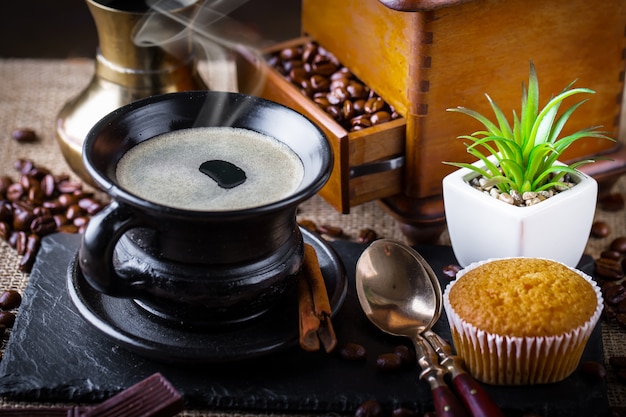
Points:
(33, 91)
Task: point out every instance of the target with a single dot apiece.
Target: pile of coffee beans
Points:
(334, 88)
(38, 203)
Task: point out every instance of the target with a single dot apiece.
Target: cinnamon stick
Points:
(309, 323)
(313, 275)
(315, 309)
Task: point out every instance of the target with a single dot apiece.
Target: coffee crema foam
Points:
(165, 169)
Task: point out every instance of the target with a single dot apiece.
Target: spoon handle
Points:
(473, 395)
(445, 402)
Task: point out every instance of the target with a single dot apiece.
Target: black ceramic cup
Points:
(197, 267)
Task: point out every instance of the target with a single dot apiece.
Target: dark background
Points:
(65, 28)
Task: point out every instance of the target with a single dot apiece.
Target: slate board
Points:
(54, 355)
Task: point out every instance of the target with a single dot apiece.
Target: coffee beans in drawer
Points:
(334, 88)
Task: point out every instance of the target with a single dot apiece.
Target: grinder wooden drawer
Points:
(368, 164)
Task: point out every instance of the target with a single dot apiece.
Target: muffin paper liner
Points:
(507, 360)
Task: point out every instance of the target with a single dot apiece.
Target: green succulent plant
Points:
(526, 153)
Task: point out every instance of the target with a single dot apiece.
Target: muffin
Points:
(521, 320)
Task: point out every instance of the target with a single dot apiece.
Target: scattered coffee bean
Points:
(593, 370)
(611, 202)
(451, 270)
(24, 135)
(389, 362)
(33, 243)
(367, 235)
(600, 229)
(407, 355)
(610, 269)
(370, 408)
(619, 245)
(615, 294)
(7, 318)
(352, 352)
(611, 254)
(10, 299)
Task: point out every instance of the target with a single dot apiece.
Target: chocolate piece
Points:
(154, 396)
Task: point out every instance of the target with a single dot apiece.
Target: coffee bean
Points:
(611, 254)
(32, 247)
(7, 319)
(407, 355)
(10, 299)
(610, 269)
(619, 245)
(389, 362)
(15, 191)
(370, 408)
(352, 352)
(367, 235)
(24, 135)
(593, 370)
(451, 270)
(600, 229)
(43, 225)
(20, 242)
(5, 230)
(5, 182)
(615, 294)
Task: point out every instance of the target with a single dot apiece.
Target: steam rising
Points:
(205, 25)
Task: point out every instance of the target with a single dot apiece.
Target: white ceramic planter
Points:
(482, 227)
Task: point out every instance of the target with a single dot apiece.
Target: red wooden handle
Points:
(446, 404)
(475, 398)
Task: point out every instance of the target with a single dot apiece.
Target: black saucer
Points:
(135, 329)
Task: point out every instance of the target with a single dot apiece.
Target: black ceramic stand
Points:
(54, 354)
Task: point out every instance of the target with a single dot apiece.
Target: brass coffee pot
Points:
(125, 70)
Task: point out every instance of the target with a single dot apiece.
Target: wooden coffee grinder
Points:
(424, 56)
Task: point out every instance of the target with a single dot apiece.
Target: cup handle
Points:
(95, 255)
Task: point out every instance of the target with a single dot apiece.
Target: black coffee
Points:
(167, 169)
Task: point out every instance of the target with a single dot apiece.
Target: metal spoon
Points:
(400, 294)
